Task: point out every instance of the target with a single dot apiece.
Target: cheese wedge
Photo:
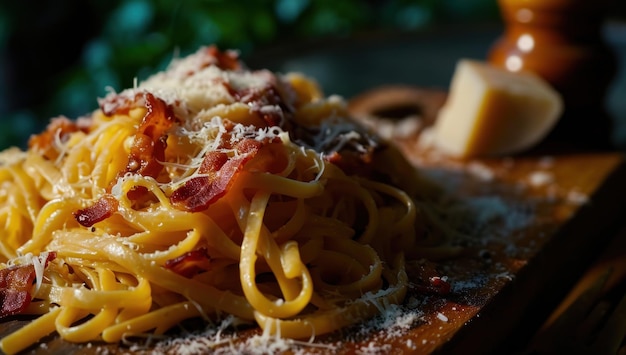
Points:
(491, 111)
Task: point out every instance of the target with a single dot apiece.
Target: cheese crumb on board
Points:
(491, 111)
(442, 317)
(540, 178)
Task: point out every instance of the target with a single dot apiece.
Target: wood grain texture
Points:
(577, 212)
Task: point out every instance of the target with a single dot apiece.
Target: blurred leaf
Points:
(288, 11)
(263, 26)
(413, 16)
(463, 10)
(129, 21)
(326, 17)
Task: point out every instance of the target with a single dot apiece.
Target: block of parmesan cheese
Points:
(491, 111)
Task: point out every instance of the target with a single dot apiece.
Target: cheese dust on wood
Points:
(391, 325)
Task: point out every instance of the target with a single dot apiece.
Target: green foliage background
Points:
(57, 56)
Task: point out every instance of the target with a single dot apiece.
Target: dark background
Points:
(57, 57)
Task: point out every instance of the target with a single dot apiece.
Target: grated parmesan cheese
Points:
(540, 178)
(480, 171)
(577, 197)
(39, 264)
(442, 317)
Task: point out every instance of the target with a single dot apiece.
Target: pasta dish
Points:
(207, 190)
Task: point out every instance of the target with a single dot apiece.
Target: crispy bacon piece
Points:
(190, 263)
(60, 127)
(429, 281)
(145, 157)
(150, 141)
(439, 285)
(265, 102)
(104, 207)
(218, 171)
(148, 149)
(15, 286)
(228, 60)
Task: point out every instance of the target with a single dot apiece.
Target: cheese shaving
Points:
(39, 264)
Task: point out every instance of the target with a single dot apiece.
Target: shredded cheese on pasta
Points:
(208, 190)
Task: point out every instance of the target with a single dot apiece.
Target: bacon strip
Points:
(199, 193)
(145, 157)
(266, 102)
(150, 141)
(148, 148)
(15, 286)
(427, 280)
(190, 263)
(227, 60)
(104, 208)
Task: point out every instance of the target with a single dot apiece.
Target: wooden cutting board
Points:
(539, 219)
(561, 209)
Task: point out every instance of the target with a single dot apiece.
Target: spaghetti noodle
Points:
(209, 189)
